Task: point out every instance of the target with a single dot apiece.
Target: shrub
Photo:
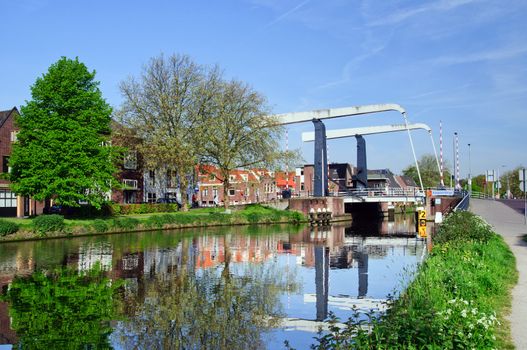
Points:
(463, 226)
(48, 223)
(158, 221)
(125, 224)
(7, 228)
(253, 218)
(100, 226)
(143, 208)
(296, 217)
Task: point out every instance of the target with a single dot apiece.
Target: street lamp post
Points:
(469, 172)
(453, 161)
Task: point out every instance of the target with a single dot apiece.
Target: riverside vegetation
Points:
(457, 300)
(56, 226)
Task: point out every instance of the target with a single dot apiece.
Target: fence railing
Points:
(480, 195)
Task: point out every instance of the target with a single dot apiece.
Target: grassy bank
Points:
(457, 300)
(48, 226)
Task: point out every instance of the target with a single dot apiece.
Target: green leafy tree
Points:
(429, 172)
(510, 180)
(62, 150)
(479, 183)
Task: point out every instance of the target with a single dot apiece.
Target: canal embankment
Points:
(459, 297)
(56, 226)
(509, 223)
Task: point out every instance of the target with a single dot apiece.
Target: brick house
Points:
(130, 173)
(130, 176)
(10, 204)
(246, 186)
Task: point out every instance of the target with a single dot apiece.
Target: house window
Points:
(7, 199)
(171, 179)
(205, 192)
(5, 165)
(215, 192)
(232, 191)
(14, 136)
(152, 177)
(151, 197)
(130, 160)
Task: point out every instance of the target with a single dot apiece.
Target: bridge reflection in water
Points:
(295, 277)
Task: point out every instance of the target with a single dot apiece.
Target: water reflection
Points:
(235, 288)
(61, 309)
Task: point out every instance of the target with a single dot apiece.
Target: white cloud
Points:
(402, 15)
(287, 13)
(491, 55)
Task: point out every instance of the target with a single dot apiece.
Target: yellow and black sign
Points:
(421, 216)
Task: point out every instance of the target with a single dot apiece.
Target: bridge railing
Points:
(480, 195)
(463, 203)
(380, 192)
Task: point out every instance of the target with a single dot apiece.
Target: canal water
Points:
(237, 287)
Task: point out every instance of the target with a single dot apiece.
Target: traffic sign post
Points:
(523, 180)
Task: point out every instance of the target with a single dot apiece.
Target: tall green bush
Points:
(7, 228)
(463, 226)
(45, 224)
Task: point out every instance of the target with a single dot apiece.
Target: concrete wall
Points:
(333, 204)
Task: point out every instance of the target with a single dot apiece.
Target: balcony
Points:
(129, 184)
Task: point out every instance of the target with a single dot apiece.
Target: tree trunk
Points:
(226, 185)
(183, 185)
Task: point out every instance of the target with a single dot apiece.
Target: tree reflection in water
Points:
(63, 309)
(207, 308)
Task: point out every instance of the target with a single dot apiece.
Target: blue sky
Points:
(460, 61)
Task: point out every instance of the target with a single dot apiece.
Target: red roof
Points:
(281, 179)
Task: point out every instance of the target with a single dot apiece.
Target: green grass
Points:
(251, 214)
(457, 300)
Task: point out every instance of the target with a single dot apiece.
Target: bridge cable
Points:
(413, 151)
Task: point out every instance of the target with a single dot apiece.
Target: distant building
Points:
(340, 176)
(246, 186)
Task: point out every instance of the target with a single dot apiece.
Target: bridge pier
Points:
(362, 166)
(320, 178)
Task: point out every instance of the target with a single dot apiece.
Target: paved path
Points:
(509, 223)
